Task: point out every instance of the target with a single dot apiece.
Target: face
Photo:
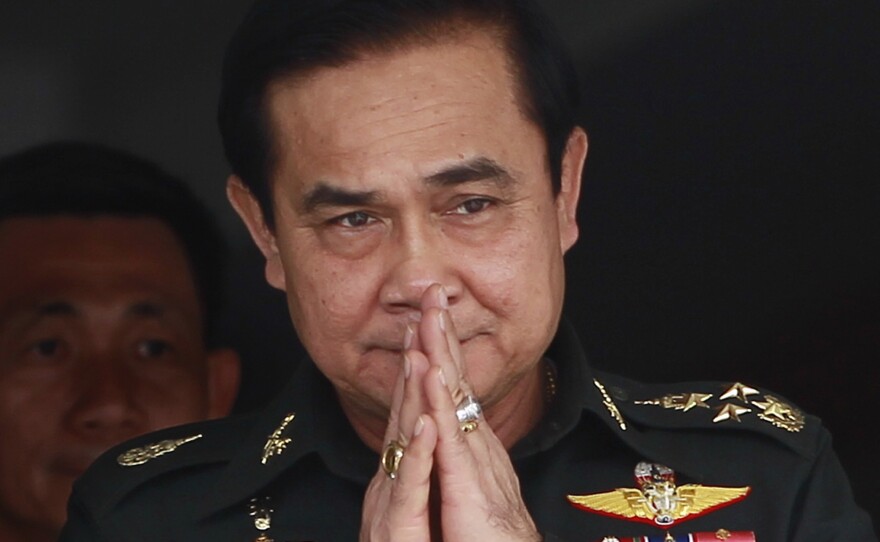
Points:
(401, 171)
(100, 340)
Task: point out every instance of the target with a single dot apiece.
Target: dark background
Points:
(729, 221)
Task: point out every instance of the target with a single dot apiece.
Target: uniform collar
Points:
(578, 390)
(318, 427)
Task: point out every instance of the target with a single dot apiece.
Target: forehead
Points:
(103, 260)
(430, 103)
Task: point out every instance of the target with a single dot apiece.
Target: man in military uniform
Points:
(411, 171)
(109, 278)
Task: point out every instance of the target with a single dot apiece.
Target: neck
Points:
(520, 409)
(511, 417)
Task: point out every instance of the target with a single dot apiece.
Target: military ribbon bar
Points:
(726, 536)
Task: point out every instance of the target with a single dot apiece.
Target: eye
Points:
(153, 348)
(357, 219)
(48, 348)
(471, 206)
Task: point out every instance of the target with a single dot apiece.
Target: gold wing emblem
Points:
(658, 500)
(698, 500)
(622, 502)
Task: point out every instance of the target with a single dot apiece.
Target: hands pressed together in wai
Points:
(444, 474)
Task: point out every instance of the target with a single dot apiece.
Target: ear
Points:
(248, 208)
(570, 187)
(224, 374)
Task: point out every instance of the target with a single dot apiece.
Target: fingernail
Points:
(420, 424)
(407, 367)
(444, 299)
(441, 320)
(408, 337)
(441, 375)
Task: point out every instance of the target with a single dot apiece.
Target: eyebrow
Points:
(56, 308)
(325, 195)
(477, 169)
(147, 309)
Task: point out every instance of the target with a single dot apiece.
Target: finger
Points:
(437, 333)
(407, 510)
(413, 404)
(392, 429)
(398, 509)
(435, 297)
(456, 453)
(481, 494)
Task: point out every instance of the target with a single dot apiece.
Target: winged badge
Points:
(658, 501)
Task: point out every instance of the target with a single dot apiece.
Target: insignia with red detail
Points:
(658, 501)
(723, 535)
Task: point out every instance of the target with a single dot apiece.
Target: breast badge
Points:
(260, 509)
(659, 502)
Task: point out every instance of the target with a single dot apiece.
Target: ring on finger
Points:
(468, 413)
(391, 456)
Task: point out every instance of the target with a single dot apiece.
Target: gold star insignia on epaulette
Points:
(680, 401)
(730, 412)
(739, 391)
(275, 443)
(139, 456)
(780, 414)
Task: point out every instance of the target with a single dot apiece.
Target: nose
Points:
(420, 256)
(105, 408)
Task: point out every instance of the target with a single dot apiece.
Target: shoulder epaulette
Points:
(127, 466)
(715, 405)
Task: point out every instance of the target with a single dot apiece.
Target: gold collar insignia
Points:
(276, 444)
(139, 456)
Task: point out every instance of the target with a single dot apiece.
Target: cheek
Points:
(520, 273)
(32, 405)
(170, 396)
(330, 298)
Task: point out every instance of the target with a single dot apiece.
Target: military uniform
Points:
(296, 471)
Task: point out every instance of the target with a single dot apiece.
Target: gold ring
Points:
(391, 456)
(469, 426)
(468, 413)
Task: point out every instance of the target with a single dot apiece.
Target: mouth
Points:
(396, 347)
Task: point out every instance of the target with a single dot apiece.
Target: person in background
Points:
(110, 278)
(411, 171)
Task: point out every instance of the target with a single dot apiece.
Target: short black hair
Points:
(86, 180)
(283, 38)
